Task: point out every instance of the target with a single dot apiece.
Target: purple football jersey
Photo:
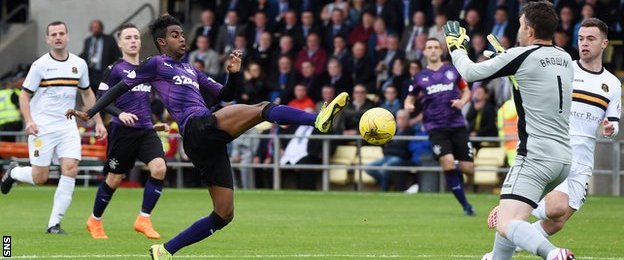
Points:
(177, 84)
(439, 88)
(135, 101)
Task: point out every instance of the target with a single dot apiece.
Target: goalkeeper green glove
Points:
(456, 37)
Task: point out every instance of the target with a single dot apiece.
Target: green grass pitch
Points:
(294, 225)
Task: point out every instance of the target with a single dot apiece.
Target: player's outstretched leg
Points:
(103, 196)
(151, 194)
(237, 119)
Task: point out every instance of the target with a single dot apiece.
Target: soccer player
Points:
(544, 74)
(443, 94)
(48, 91)
(132, 136)
(595, 101)
(205, 132)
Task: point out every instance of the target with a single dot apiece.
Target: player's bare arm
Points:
(461, 102)
(89, 100)
(409, 103)
(24, 101)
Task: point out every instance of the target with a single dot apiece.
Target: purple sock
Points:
(151, 194)
(201, 229)
(285, 115)
(455, 184)
(102, 197)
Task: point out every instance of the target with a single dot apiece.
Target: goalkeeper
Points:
(542, 96)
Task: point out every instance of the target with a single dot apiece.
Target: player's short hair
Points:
(158, 28)
(542, 17)
(55, 23)
(434, 39)
(125, 26)
(595, 22)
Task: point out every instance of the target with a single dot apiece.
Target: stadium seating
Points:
(487, 162)
(344, 155)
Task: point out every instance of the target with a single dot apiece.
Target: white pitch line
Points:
(372, 256)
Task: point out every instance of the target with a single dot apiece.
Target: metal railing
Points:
(4, 26)
(148, 6)
(615, 170)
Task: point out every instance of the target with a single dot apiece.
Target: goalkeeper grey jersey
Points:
(544, 74)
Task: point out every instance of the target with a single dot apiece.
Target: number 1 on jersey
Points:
(560, 94)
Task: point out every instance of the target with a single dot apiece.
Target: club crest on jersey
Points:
(449, 75)
(112, 163)
(605, 87)
(74, 70)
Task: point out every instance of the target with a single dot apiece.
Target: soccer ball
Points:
(377, 126)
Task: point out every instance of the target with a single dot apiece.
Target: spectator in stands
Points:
(288, 26)
(263, 52)
(337, 27)
(586, 12)
(328, 9)
(227, 33)
(263, 6)
(363, 30)
(391, 100)
(356, 10)
(328, 93)
(336, 78)
(362, 70)
(502, 25)
(407, 9)
(342, 53)
(240, 43)
(256, 28)
(287, 48)
(255, 89)
(206, 28)
(386, 58)
(413, 68)
(378, 41)
(566, 21)
(310, 80)
(206, 55)
(10, 117)
(562, 40)
(409, 38)
(242, 152)
(481, 116)
(348, 121)
(396, 152)
(302, 101)
(264, 155)
(302, 150)
(240, 7)
(280, 9)
(283, 82)
(312, 52)
(399, 78)
(387, 12)
(99, 51)
(472, 23)
(478, 44)
(308, 26)
(436, 31)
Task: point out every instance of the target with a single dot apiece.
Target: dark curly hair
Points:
(158, 28)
